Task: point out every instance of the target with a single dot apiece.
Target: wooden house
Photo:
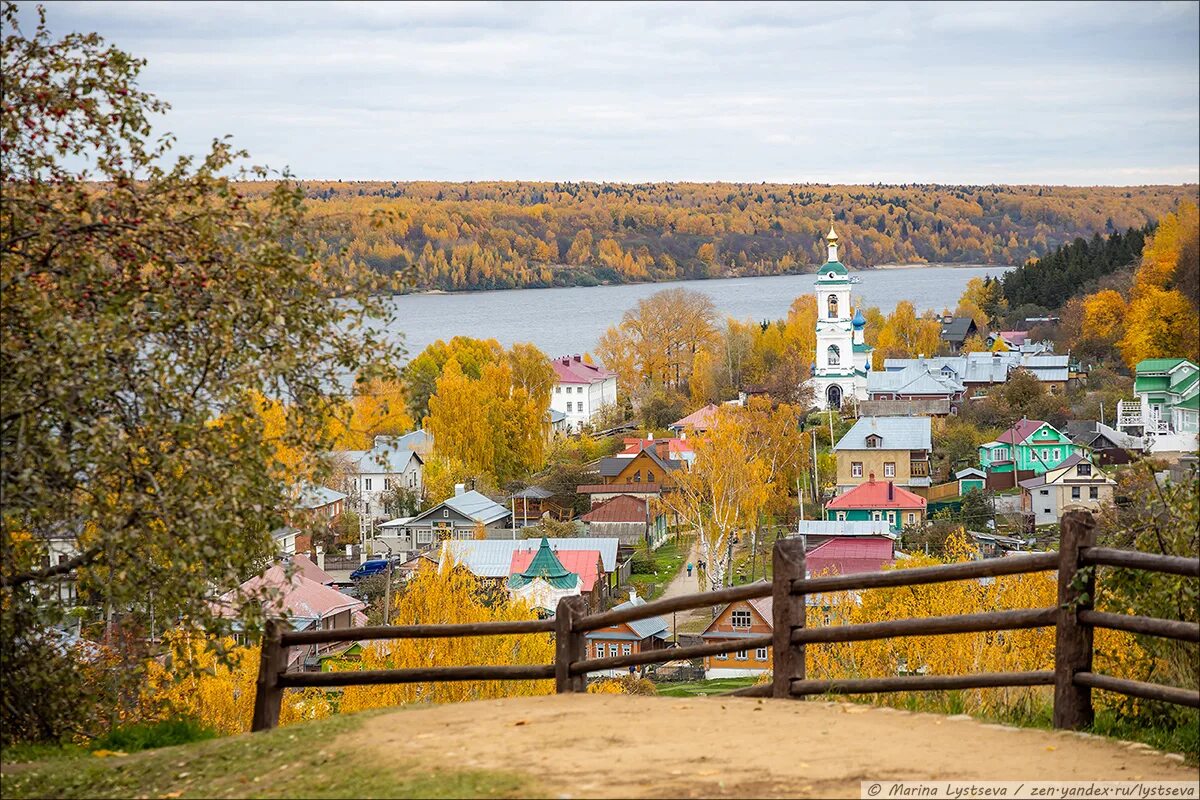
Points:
(637, 636)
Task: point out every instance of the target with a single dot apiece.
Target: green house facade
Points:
(1169, 389)
(1029, 446)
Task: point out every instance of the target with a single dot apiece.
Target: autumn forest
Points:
(503, 235)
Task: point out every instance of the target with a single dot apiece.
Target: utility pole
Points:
(387, 596)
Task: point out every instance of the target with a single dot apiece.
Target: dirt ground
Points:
(585, 746)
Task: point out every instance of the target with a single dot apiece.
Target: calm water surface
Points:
(571, 320)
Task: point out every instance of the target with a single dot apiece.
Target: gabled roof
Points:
(308, 569)
(642, 628)
(612, 466)
(584, 563)
(1018, 433)
(573, 369)
(957, 329)
(918, 378)
(1159, 365)
(622, 508)
(302, 598)
(389, 454)
(473, 505)
(546, 566)
(896, 433)
(533, 493)
(970, 472)
(847, 555)
(700, 419)
(875, 494)
(313, 496)
(491, 558)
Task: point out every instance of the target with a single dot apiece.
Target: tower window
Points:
(833, 355)
(833, 306)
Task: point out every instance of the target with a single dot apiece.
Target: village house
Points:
(491, 560)
(956, 331)
(583, 390)
(307, 604)
(462, 516)
(743, 619)
(897, 448)
(393, 462)
(638, 636)
(1076, 483)
(586, 565)
(1108, 446)
(814, 532)
(1029, 448)
(543, 580)
(917, 388)
(978, 373)
(650, 463)
(533, 503)
(629, 519)
(697, 423)
(1168, 399)
(876, 501)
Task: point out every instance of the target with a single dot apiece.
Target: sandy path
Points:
(621, 746)
(683, 584)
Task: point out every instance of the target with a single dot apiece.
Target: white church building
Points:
(843, 358)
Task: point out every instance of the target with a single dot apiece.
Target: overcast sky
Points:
(1075, 93)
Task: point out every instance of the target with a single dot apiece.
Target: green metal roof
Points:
(1192, 403)
(1184, 382)
(545, 565)
(836, 267)
(1158, 364)
(863, 348)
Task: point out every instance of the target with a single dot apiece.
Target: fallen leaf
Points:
(521, 722)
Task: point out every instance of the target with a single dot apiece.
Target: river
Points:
(571, 320)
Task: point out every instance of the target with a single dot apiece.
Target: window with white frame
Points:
(445, 512)
(558, 390)
(722, 656)
(855, 469)
(424, 537)
(889, 469)
(741, 655)
(740, 619)
(877, 516)
(892, 517)
(626, 649)
(1075, 495)
(1094, 492)
(1083, 468)
(1057, 453)
(387, 483)
(612, 650)
(569, 407)
(912, 517)
(760, 654)
(367, 484)
(841, 516)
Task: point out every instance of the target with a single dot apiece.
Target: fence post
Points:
(268, 696)
(568, 646)
(1073, 641)
(788, 612)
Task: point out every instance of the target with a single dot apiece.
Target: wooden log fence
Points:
(1073, 619)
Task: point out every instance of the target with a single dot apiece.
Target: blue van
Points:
(376, 566)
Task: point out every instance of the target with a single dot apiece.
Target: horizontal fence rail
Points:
(988, 568)
(420, 675)
(1149, 626)
(1132, 559)
(1074, 620)
(922, 683)
(929, 626)
(383, 632)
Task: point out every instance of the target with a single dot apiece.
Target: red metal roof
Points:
(572, 369)
(584, 563)
(875, 494)
(621, 508)
(1020, 432)
(700, 419)
(843, 555)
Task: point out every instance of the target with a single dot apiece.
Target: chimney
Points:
(320, 557)
(577, 357)
(460, 488)
(891, 491)
(632, 595)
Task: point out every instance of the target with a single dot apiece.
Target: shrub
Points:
(149, 735)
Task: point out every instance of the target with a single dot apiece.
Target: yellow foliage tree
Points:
(1116, 652)
(1161, 323)
(449, 595)
(1161, 254)
(1104, 315)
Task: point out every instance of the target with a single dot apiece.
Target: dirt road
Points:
(683, 584)
(621, 746)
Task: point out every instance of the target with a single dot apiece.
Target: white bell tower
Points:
(842, 357)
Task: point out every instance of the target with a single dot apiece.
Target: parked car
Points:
(376, 566)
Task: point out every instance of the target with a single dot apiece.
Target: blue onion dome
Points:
(859, 322)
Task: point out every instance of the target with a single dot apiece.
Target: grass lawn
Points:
(702, 688)
(667, 561)
(299, 761)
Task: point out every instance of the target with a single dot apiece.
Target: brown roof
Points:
(619, 488)
(700, 419)
(621, 508)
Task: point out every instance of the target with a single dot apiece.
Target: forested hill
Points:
(457, 236)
